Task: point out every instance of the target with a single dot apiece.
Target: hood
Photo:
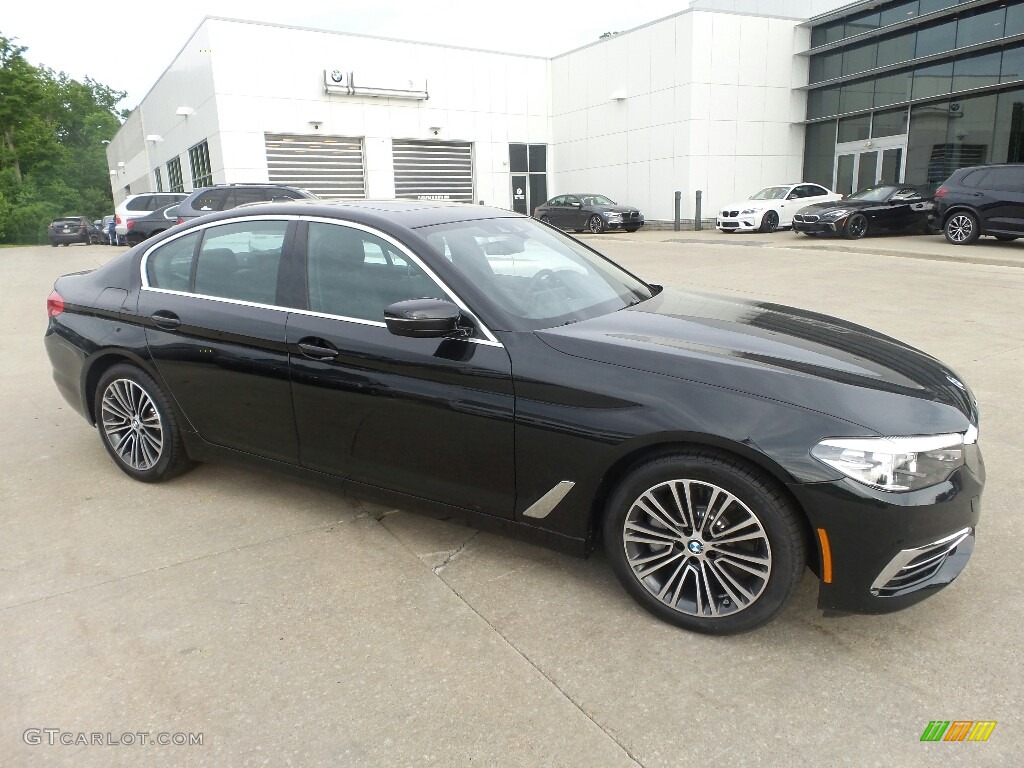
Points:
(742, 205)
(613, 208)
(782, 353)
(832, 205)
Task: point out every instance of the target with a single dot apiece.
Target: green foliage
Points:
(52, 157)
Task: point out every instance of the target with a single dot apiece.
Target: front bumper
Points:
(626, 223)
(738, 223)
(889, 551)
(820, 227)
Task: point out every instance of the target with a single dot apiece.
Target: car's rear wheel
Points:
(53, 245)
(1005, 238)
(856, 227)
(138, 426)
(769, 222)
(705, 542)
(961, 228)
(546, 220)
(595, 224)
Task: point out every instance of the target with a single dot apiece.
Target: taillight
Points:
(181, 220)
(54, 304)
(131, 223)
(941, 192)
(117, 219)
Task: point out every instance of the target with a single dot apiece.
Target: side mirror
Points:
(424, 319)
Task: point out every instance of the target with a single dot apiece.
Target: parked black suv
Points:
(224, 197)
(982, 200)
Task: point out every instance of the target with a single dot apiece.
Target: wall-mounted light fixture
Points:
(120, 164)
(619, 95)
(184, 111)
(154, 138)
(435, 129)
(113, 172)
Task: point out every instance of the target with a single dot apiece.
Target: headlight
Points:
(748, 211)
(838, 214)
(894, 463)
(614, 216)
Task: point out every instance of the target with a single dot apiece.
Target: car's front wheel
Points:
(704, 542)
(856, 226)
(769, 222)
(595, 224)
(137, 425)
(961, 228)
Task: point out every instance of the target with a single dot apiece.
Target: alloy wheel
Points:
(132, 424)
(960, 228)
(697, 548)
(596, 224)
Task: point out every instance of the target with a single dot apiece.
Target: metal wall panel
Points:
(433, 170)
(328, 166)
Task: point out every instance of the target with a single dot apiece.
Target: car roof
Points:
(409, 214)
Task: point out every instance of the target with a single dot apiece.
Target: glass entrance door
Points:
(862, 164)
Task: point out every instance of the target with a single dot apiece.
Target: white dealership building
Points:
(707, 99)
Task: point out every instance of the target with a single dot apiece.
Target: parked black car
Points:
(223, 197)
(72, 229)
(594, 213)
(152, 223)
(883, 208)
(479, 365)
(982, 200)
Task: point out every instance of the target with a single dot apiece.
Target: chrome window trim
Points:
(490, 339)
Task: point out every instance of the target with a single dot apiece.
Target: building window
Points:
(199, 160)
(158, 179)
(174, 175)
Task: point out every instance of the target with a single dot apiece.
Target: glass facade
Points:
(946, 81)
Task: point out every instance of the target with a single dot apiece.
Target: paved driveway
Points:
(289, 625)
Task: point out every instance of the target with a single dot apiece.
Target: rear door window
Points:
(1005, 180)
(241, 261)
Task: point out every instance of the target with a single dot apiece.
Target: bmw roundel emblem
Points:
(695, 547)
(337, 75)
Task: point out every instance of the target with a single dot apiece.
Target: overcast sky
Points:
(127, 45)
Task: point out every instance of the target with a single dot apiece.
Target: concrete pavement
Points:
(293, 626)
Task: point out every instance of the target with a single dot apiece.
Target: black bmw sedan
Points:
(884, 208)
(473, 363)
(593, 213)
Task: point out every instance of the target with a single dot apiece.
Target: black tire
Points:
(1005, 238)
(595, 224)
(54, 245)
(631, 229)
(777, 549)
(961, 228)
(856, 227)
(546, 220)
(769, 222)
(136, 415)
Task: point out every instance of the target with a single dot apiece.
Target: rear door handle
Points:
(318, 349)
(166, 320)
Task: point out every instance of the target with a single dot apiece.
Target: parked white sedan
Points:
(771, 208)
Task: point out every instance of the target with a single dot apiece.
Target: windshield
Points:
(771, 193)
(875, 194)
(596, 200)
(538, 276)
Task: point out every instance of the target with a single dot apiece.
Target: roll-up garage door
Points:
(433, 170)
(328, 166)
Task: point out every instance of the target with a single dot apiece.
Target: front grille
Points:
(631, 216)
(912, 569)
(730, 214)
(806, 219)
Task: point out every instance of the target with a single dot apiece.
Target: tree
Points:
(52, 159)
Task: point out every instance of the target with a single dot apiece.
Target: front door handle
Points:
(166, 320)
(317, 349)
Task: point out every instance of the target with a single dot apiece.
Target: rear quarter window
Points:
(170, 266)
(974, 179)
